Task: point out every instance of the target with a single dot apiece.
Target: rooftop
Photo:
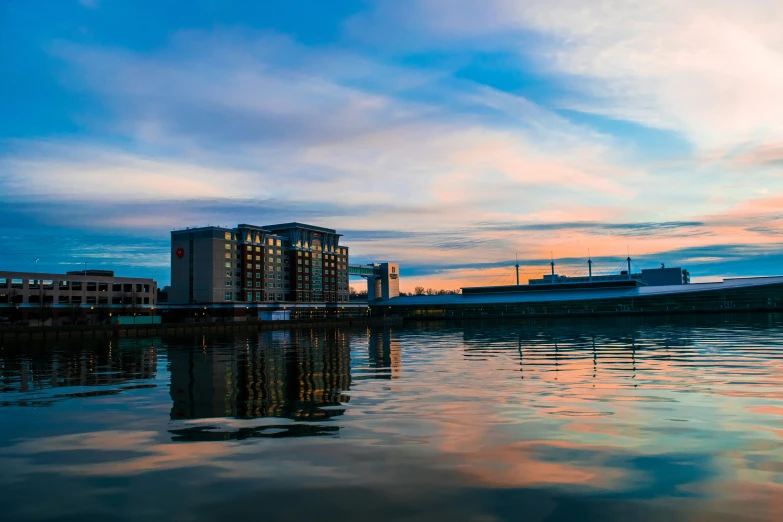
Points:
(287, 226)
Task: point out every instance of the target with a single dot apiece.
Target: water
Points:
(588, 421)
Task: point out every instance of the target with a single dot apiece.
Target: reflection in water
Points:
(45, 374)
(602, 420)
(282, 374)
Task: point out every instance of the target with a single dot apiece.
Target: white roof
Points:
(529, 296)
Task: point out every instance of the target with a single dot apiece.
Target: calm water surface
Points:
(589, 421)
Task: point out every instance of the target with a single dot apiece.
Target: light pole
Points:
(85, 268)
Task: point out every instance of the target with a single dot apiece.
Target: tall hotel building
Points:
(290, 262)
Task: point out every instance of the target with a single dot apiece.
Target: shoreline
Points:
(26, 333)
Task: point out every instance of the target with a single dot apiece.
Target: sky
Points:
(451, 136)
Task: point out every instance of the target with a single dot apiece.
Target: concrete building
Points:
(665, 276)
(284, 263)
(85, 289)
(385, 284)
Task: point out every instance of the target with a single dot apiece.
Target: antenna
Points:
(552, 264)
(517, 267)
(629, 262)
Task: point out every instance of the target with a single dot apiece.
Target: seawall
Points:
(28, 333)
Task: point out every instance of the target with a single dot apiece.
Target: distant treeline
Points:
(419, 290)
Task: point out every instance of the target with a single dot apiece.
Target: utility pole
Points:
(517, 266)
(590, 265)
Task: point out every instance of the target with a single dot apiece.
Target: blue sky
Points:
(447, 136)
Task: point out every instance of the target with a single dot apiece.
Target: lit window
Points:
(258, 267)
(271, 242)
(228, 236)
(228, 264)
(249, 266)
(228, 246)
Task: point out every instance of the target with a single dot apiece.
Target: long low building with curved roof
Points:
(757, 293)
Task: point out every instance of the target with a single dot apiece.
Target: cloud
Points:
(708, 69)
(412, 160)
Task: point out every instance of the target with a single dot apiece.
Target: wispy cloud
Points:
(390, 140)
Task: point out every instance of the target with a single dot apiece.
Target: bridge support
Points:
(383, 279)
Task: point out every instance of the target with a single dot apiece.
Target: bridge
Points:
(364, 270)
(383, 279)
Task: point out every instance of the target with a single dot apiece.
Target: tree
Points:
(419, 290)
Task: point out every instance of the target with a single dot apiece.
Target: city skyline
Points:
(446, 136)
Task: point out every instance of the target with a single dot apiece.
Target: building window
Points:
(299, 278)
(228, 264)
(258, 284)
(258, 258)
(307, 286)
(279, 242)
(250, 283)
(228, 296)
(228, 283)
(258, 275)
(258, 267)
(229, 273)
(299, 261)
(250, 258)
(271, 242)
(258, 296)
(228, 246)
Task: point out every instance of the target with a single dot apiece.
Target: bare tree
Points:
(419, 290)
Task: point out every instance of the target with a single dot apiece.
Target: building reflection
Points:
(292, 374)
(33, 375)
(384, 354)
(616, 347)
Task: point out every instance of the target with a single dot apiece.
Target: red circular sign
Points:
(180, 253)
